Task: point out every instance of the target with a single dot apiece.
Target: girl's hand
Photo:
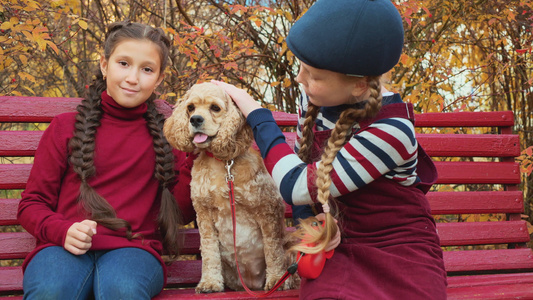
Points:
(79, 237)
(336, 240)
(244, 101)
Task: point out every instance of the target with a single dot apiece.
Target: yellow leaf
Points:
(24, 75)
(286, 82)
(28, 89)
(8, 61)
(23, 59)
(288, 16)
(529, 227)
(6, 25)
(28, 35)
(83, 24)
(53, 46)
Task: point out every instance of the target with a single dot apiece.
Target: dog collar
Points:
(211, 155)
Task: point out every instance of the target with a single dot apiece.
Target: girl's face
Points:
(328, 88)
(133, 72)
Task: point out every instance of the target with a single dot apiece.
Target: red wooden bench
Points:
(477, 202)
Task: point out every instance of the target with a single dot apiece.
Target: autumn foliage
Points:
(459, 55)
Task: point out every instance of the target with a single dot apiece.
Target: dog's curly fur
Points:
(206, 119)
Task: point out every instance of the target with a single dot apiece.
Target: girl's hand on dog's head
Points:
(244, 101)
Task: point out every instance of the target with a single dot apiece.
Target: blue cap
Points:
(353, 37)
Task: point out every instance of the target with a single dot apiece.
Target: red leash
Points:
(291, 270)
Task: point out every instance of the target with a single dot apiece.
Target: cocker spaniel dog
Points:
(207, 120)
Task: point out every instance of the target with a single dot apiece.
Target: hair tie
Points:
(325, 207)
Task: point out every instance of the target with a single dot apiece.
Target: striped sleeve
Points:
(385, 148)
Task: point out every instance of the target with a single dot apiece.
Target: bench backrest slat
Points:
(465, 119)
(456, 119)
(34, 109)
(459, 172)
(482, 233)
(447, 203)
(470, 145)
(508, 260)
(15, 176)
(24, 143)
(19, 143)
(8, 211)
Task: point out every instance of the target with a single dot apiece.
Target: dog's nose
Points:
(197, 120)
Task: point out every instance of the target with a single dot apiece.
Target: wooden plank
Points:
(453, 172)
(10, 279)
(191, 243)
(446, 119)
(285, 119)
(34, 109)
(290, 138)
(44, 109)
(482, 233)
(16, 245)
(14, 176)
(489, 261)
(19, 143)
(183, 272)
(465, 119)
(507, 291)
(443, 203)
(8, 211)
(24, 143)
(488, 280)
(470, 145)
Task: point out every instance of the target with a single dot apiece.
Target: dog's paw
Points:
(271, 282)
(292, 282)
(209, 286)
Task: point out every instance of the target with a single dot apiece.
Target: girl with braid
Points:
(357, 157)
(107, 192)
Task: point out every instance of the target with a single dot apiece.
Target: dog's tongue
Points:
(200, 138)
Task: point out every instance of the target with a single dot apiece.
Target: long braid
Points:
(306, 142)
(169, 213)
(82, 146)
(318, 235)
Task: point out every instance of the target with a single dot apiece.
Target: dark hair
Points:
(82, 144)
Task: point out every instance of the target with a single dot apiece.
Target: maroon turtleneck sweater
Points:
(124, 159)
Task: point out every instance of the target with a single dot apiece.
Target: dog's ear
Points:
(235, 136)
(176, 127)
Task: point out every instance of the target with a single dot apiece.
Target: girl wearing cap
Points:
(357, 153)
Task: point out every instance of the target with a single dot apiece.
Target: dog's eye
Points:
(190, 107)
(215, 108)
